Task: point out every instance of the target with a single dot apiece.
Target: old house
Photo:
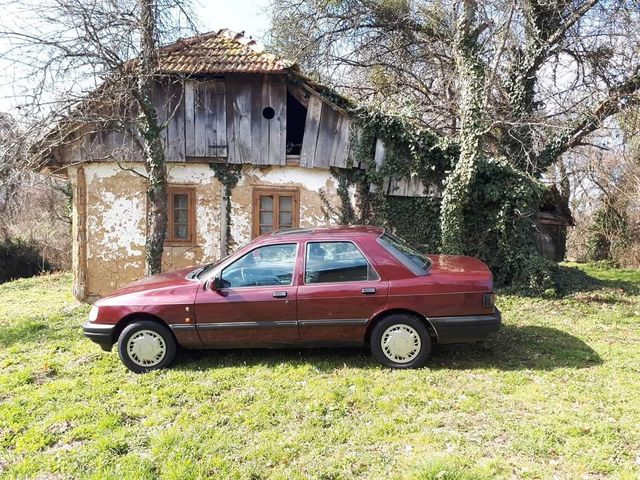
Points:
(252, 146)
(232, 104)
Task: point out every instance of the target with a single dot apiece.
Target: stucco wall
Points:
(310, 183)
(115, 217)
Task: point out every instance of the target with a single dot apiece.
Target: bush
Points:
(19, 259)
(608, 234)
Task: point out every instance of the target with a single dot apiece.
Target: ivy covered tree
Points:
(95, 63)
(513, 84)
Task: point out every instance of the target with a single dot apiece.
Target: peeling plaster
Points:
(311, 179)
(116, 205)
(115, 225)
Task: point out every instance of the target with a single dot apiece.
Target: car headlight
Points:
(93, 314)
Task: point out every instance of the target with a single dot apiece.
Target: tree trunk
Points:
(471, 74)
(154, 159)
(157, 204)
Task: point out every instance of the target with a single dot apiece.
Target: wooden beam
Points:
(80, 237)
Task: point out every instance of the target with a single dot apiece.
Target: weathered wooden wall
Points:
(408, 186)
(326, 136)
(221, 119)
(253, 138)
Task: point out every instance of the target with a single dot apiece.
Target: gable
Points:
(236, 118)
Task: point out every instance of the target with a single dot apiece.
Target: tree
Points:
(94, 63)
(526, 81)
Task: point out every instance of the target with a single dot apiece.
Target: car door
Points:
(256, 304)
(339, 292)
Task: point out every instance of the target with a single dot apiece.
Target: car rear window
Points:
(415, 261)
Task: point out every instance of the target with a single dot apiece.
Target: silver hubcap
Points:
(146, 348)
(400, 343)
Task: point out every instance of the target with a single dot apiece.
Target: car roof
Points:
(343, 231)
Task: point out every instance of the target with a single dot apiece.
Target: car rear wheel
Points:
(401, 341)
(145, 345)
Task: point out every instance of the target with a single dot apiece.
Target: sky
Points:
(249, 16)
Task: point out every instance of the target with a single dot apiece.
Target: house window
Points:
(181, 215)
(274, 209)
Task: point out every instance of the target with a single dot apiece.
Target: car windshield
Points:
(415, 261)
(205, 269)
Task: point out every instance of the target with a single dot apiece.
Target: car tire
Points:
(145, 345)
(401, 341)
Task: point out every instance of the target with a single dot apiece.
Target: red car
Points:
(300, 288)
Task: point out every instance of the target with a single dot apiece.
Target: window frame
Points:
(222, 268)
(276, 192)
(402, 257)
(190, 191)
(367, 259)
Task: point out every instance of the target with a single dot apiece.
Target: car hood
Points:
(167, 283)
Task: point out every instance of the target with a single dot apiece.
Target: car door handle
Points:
(368, 291)
(279, 294)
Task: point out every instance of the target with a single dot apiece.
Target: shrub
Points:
(19, 259)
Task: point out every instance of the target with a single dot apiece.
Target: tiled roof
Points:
(223, 51)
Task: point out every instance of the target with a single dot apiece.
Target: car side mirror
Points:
(217, 283)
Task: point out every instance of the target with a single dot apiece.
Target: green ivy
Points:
(498, 217)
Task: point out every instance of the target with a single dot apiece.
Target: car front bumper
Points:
(465, 329)
(99, 333)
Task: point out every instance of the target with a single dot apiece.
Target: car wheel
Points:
(145, 345)
(401, 341)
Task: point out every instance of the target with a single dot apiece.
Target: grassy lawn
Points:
(555, 394)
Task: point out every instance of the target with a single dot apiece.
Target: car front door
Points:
(338, 293)
(255, 303)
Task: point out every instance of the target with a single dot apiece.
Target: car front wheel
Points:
(145, 345)
(401, 341)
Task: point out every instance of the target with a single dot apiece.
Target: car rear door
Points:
(257, 303)
(339, 291)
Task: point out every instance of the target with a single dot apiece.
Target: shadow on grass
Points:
(512, 348)
(572, 280)
(27, 331)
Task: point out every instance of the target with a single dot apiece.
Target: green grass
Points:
(555, 394)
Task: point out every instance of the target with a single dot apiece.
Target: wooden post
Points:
(80, 236)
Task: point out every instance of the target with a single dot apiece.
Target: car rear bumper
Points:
(469, 328)
(99, 333)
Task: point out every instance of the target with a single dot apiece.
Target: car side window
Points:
(330, 262)
(263, 266)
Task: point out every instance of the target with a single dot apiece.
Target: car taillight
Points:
(489, 300)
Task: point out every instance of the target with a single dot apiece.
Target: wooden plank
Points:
(278, 124)
(259, 124)
(378, 157)
(340, 151)
(357, 138)
(215, 129)
(175, 129)
(201, 116)
(378, 160)
(411, 186)
(326, 136)
(311, 128)
(190, 99)
(239, 119)
(301, 95)
(218, 143)
(232, 144)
